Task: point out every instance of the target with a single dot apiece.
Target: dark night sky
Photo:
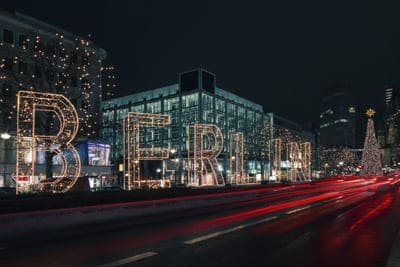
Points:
(282, 55)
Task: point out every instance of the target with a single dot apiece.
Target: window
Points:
(85, 59)
(6, 90)
(50, 75)
(98, 154)
(85, 84)
(8, 36)
(74, 81)
(62, 78)
(23, 42)
(74, 57)
(8, 64)
(23, 67)
(38, 46)
(37, 71)
(62, 52)
(51, 49)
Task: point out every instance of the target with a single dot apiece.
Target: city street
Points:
(347, 221)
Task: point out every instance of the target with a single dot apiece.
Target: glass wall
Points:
(171, 107)
(228, 111)
(208, 108)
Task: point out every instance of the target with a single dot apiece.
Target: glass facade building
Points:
(338, 120)
(195, 99)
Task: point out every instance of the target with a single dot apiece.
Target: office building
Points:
(194, 99)
(338, 119)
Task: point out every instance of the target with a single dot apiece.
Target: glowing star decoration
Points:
(29, 104)
(236, 158)
(207, 145)
(133, 153)
(370, 113)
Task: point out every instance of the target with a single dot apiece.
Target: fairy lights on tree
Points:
(371, 160)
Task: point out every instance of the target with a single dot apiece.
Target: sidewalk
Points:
(394, 256)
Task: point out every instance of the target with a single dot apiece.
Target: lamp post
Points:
(341, 167)
(325, 165)
(175, 160)
(158, 170)
(4, 136)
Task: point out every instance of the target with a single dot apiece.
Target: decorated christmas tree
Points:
(371, 159)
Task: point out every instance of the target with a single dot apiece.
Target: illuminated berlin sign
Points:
(298, 160)
(29, 104)
(133, 153)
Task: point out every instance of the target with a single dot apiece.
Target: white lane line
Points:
(130, 259)
(233, 229)
(297, 210)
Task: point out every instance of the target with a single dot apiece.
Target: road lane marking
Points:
(297, 210)
(229, 230)
(130, 259)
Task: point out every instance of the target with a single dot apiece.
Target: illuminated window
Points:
(352, 110)
(341, 120)
(98, 154)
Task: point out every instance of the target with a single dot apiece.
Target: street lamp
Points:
(325, 165)
(176, 161)
(5, 136)
(341, 166)
(158, 170)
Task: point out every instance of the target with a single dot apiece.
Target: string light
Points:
(28, 141)
(236, 158)
(208, 143)
(133, 153)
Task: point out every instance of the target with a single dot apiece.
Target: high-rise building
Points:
(389, 136)
(338, 119)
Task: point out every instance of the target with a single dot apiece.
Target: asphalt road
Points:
(340, 222)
